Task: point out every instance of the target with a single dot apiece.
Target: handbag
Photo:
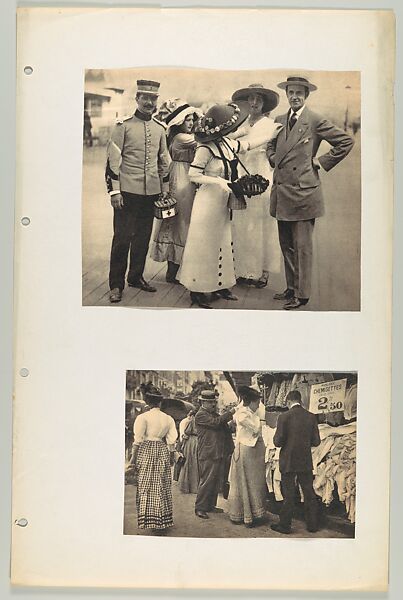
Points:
(248, 185)
(178, 467)
(165, 207)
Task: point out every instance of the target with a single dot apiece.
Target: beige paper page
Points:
(68, 456)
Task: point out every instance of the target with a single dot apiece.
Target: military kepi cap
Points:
(145, 86)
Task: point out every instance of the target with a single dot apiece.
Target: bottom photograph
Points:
(240, 454)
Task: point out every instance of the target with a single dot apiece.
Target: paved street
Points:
(219, 525)
(336, 271)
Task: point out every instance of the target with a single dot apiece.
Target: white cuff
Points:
(114, 192)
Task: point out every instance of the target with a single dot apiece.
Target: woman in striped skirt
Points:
(154, 439)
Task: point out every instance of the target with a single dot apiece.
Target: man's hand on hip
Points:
(117, 201)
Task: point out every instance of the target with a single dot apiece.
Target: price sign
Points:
(327, 397)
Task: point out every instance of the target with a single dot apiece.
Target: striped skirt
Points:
(154, 492)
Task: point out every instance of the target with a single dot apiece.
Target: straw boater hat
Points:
(297, 80)
(220, 120)
(207, 395)
(182, 110)
(270, 97)
(145, 86)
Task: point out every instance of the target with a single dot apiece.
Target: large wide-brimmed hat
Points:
(183, 110)
(220, 120)
(270, 97)
(145, 86)
(311, 87)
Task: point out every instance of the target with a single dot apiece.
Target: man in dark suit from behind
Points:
(212, 441)
(297, 431)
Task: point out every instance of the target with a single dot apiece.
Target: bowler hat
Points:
(311, 87)
(270, 97)
(220, 120)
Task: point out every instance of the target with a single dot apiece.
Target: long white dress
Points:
(208, 258)
(255, 236)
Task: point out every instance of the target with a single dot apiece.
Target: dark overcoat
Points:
(297, 431)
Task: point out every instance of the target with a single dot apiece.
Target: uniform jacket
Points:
(297, 431)
(137, 157)
(213, 435)
(296, 193)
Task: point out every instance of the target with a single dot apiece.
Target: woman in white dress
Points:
(208, 259)
(247, 493)
(256, 247)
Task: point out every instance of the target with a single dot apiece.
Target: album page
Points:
(203, 275)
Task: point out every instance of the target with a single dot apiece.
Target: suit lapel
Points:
(294, 136)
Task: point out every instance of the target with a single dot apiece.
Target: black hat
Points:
(220, 120)
(248, 393)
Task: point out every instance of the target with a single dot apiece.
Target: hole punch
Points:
(28, 70)
(21, 522)
(24, 372)
(25, 221)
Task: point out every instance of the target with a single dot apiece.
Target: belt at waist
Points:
(153, 439)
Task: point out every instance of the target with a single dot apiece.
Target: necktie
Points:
(293, 120)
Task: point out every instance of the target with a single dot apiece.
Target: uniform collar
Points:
(142, 116)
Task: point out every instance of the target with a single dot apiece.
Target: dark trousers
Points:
(296, 245)
(305, 479)
(132, 226)
(210, 477)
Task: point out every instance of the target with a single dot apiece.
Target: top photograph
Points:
(217, 189)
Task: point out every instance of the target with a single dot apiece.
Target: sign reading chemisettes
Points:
(328, 397)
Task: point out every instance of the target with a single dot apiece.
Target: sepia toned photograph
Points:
(240, 454)
(221, 189)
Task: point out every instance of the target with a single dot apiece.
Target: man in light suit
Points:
(136, 169)
(297, 431)
(296, 198)
(213, 438)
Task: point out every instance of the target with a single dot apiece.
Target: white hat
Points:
(178, 116)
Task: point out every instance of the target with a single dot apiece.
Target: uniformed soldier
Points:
(137, 163)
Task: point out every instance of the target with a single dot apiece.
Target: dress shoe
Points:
(199, 299)
(295, 303)
(312, 529)
(201, 514)
(142, 285)
(170, 279)
(226, 294)
(288, 294)
(280, 529)
(241, 280)
(115, 295)
(216, 510)
(262, 281)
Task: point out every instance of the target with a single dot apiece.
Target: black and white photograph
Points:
(222, 189)
(240, 454)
